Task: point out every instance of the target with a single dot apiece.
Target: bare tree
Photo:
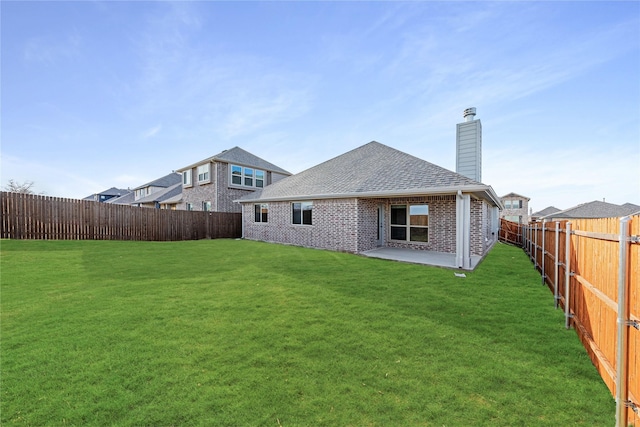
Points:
(19, 187)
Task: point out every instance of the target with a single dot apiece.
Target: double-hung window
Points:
(302, 213)
(259, 178)
(186, 178)
(203, 172)
(247, 177)
(410, 222)
(206, 206)
(261, 212)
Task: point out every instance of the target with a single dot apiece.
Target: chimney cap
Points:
(469, 113)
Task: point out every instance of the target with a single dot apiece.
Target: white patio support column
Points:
(463, 231)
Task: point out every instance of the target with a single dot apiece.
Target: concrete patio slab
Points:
(437, 259)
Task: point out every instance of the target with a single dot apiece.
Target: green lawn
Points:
(240, 333)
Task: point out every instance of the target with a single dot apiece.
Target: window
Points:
(302, 213)
(206, 206)
(410, 223)
(203, 172)
(247, 177)
(398, 222)
(261, 212)
(189, 206)
(259, 178)
(513, 204)
(186, 178)
(236, 175)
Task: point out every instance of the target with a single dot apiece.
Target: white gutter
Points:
(384, 194)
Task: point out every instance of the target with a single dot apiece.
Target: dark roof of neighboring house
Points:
(631, 208)
(514, 195)
(113, 191)
(126, 199)
(595, 209)
(372, 170)
(546, 211)
(240, 157)
(166, 181)
(162, 195)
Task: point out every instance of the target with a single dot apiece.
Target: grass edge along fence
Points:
(28, 216)
(592, 266)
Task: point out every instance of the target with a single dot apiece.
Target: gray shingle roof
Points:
(546, 211)
(373, 168)
(126, 199)
(113, 191)
(165, 181)
(514, 195)
(595, 209)
(241, 157)
(162, 195)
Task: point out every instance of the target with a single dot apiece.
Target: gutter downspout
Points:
(463, 221)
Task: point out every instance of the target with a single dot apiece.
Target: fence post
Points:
(567, 276)
(535, 246)
(543, 252)
(623, 325)
(555, 268)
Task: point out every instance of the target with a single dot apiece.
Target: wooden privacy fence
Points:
(592, 266)
(26, 216)
(510, 232)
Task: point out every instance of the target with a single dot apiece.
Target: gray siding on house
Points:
(469, 150)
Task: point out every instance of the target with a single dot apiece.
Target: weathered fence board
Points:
(26, 216)
(591, 265)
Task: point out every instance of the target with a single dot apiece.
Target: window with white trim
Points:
(302, 213)
(204, 172)
(261, 212)
(247, 177)
(410, 222)
(259, 178)
(206, 206)
(186, 178)
(189, 206)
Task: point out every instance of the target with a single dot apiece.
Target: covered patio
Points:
(437, 259)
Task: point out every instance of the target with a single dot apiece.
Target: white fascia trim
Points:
(383, 194)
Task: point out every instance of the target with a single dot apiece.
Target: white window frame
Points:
(407, 223)
(204, 173)
(261, 213)
(186, 178)
(206, 206)
(248, 176)
(304, 206)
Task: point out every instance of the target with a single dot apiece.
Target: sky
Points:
(116, 94)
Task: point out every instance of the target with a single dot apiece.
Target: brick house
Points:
(214, 183)
(516, 208)
(376, 196)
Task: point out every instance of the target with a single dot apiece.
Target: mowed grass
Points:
(241, 333)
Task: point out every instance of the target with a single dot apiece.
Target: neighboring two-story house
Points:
(143, 194)
(516, 208)
(213, 184)
(110, 194)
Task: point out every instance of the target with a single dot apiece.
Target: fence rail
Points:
(592, 266)
(26, 216)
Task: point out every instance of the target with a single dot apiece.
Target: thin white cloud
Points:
(151, 132)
